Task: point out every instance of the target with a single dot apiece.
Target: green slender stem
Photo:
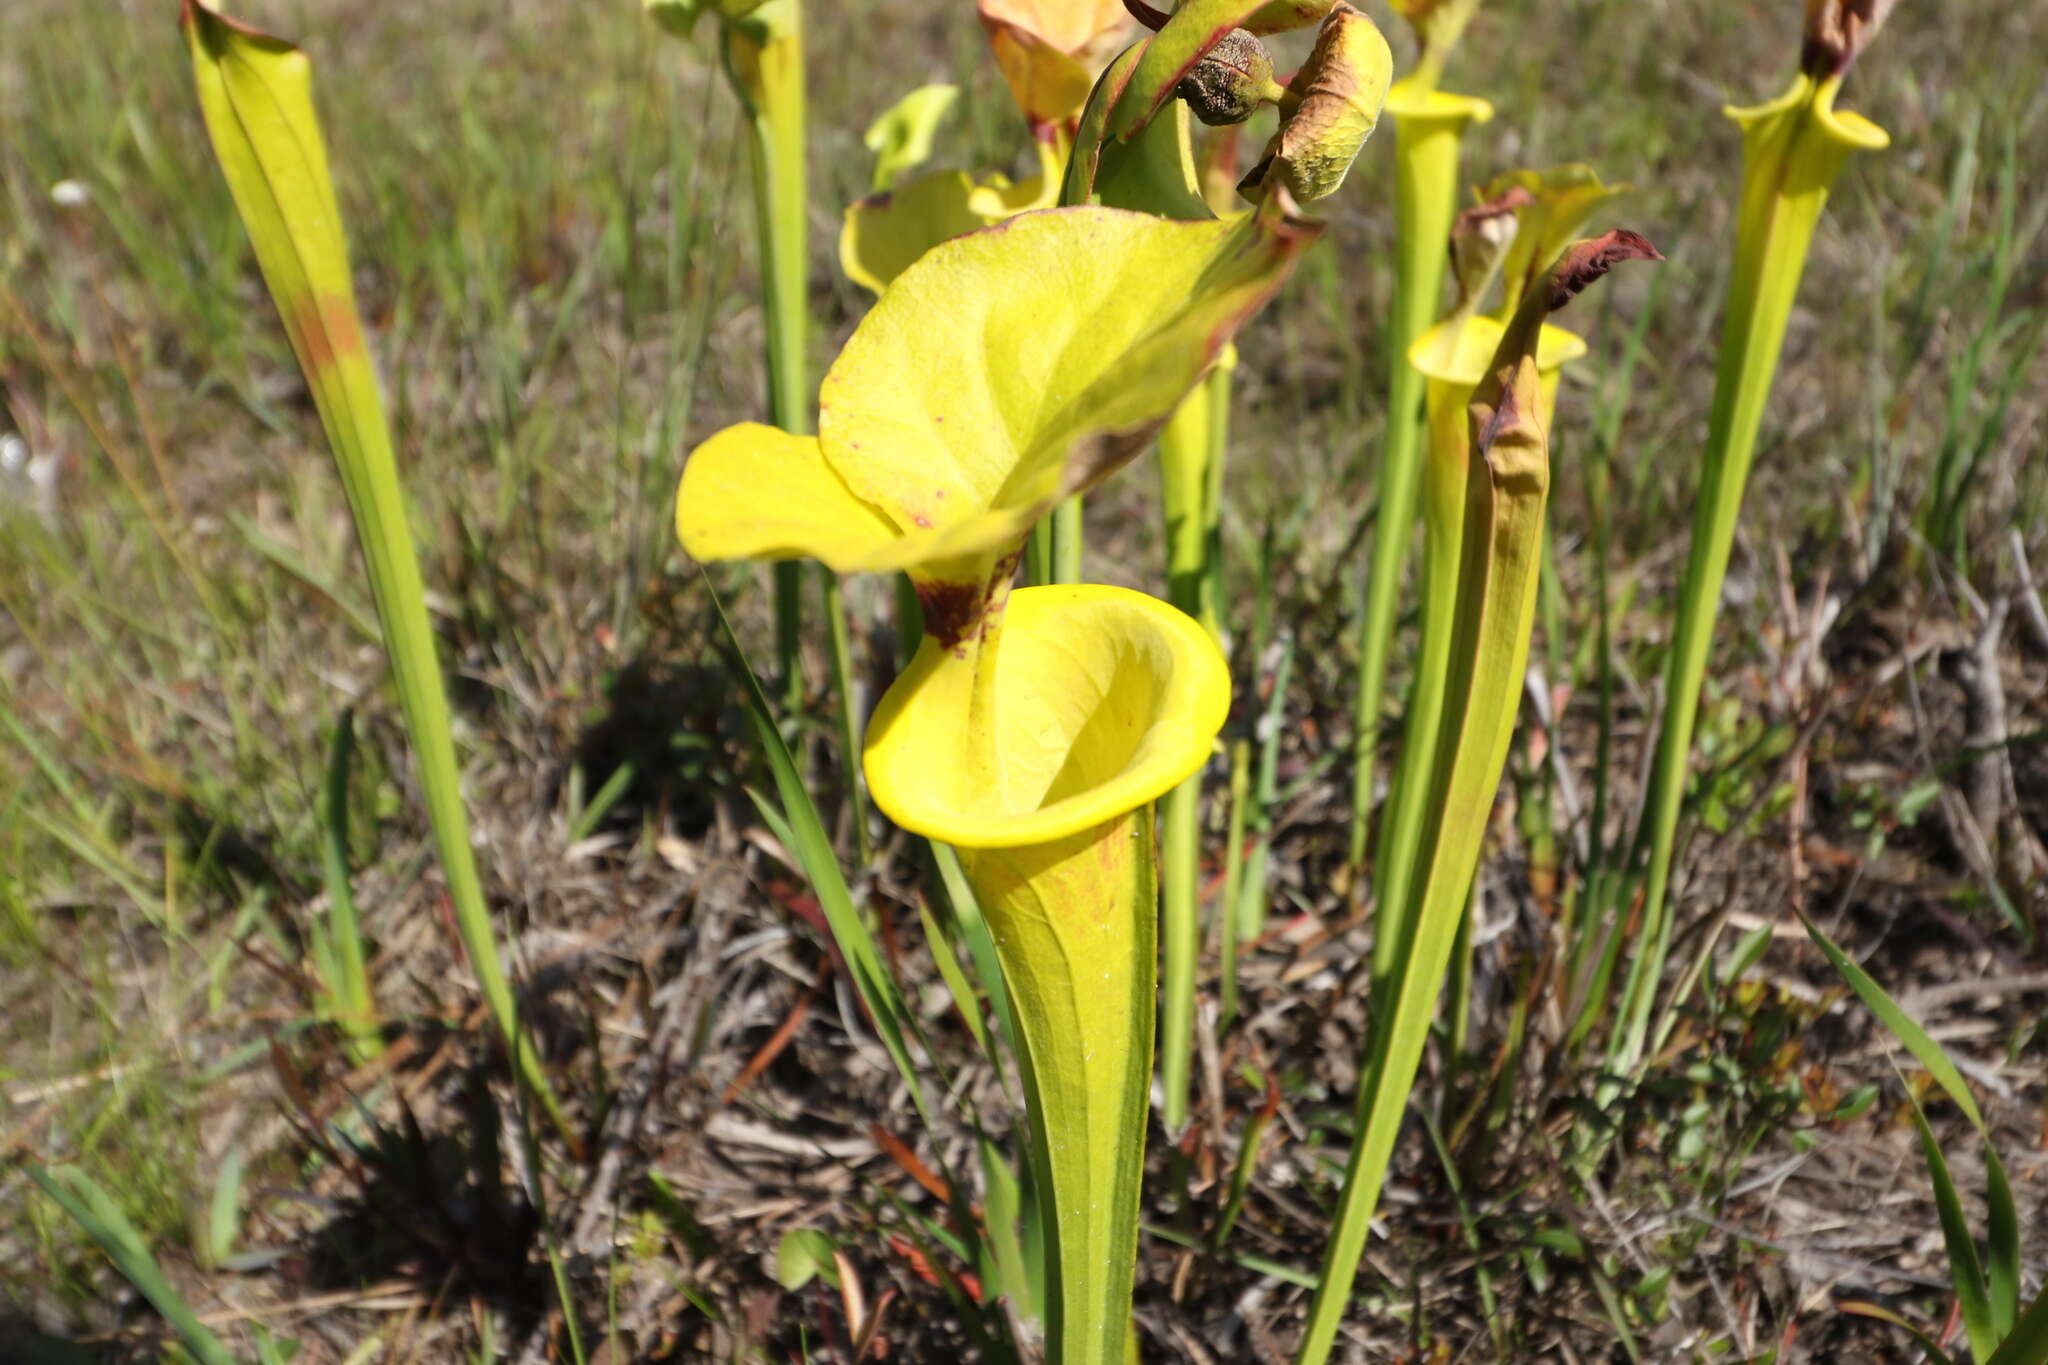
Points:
(1233, 874)
(1793, 148)
(1252, 895)
(1188, 470)
(1428, 132)
(1064, 565)
(1219, 386)
(849, 720)
(764, 59)
(1180, 850)
(1187, 460)
(1038, 554)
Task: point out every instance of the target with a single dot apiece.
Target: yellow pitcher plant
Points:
(761, 44)
(1452, 357)
(1793, 147)
(1001, 372)
(1506, 494)
(1209, 54)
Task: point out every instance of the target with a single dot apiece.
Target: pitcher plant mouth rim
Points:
(1189, 706)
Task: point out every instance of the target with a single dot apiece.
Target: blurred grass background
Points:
(552, 248)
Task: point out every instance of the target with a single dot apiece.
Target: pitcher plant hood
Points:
(1553, 206)
(1003, 371)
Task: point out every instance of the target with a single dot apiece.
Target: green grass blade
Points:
(89, 1206)
(1965, 1270)
(1021, 1277)
(593, 812)
(1864, 1309)
(2027, 1343)
(1246, 1166)
(224, 1209)
(965, 999)
(844, 708)
(981, 944)
(256, 93)
(2002, 1264)
(1258, 1265)
(2001, 1244)
(293, 563)
(804, 832)
(1908, 1031)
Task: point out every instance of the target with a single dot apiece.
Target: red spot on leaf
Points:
(324, 331)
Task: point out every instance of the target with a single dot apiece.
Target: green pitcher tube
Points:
(1793, 147)
(1090, 703)
(1452, 358)
(764, 60)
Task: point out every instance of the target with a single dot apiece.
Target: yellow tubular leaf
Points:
(1507, 486)
(1429, 126)
(256, 93)
(1074, 923)
(1793, 147)
(1453, 356)
(757, 492)
(1037, 745)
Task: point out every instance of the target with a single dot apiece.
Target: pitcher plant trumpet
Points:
(1507, 487)
(256, 94)
(1038, 754)
(1002, 372)
(1793, 147)
(1452, 357)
